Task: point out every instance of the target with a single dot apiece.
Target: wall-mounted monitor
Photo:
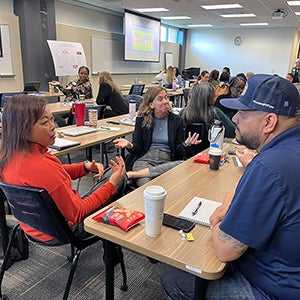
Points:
(142, 37)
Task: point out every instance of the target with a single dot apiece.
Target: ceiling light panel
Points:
(176, 18)
(221, 6)
(293, 3)
(153, 9)
(238, 15)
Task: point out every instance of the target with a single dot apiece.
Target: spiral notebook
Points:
(199, 210)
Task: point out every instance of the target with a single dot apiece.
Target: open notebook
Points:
(127, 121)
(199, 210)
(61, 144)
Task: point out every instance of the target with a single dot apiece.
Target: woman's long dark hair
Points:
(20, 113)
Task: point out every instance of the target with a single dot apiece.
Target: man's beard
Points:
(251, 142)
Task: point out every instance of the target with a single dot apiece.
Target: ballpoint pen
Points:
(105, 128)
(196, 210)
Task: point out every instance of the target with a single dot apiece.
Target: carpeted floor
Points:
(44, 274)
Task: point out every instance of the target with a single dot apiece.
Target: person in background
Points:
(214, 77)
(204, 76)
(110, 95)
(296, 71)
(200, 109)
(179, 79)
(223, 87)
(236, 87)
(289, 77)
(73, 89)
(25, 161)
(255, 229)
(158, 140)
(166, 77)
(226, 70)
(242, 75)
(249, 74)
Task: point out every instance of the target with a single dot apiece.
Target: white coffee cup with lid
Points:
(154, 201)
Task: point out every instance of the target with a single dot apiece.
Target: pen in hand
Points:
(196, 210)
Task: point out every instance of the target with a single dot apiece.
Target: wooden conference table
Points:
(97, 137)
(57, 108)
(182, 183)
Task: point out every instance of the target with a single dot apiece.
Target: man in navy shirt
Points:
(257, 229)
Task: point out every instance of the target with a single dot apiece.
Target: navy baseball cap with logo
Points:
(269, 93)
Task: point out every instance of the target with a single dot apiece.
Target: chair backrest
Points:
(137, 89)
(200, 128)
(35, 208)
(137, 98)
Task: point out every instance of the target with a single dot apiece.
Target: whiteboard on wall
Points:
(6, 63)
(108, 55)
(67, 57)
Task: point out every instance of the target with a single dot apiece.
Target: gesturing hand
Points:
(119, 170)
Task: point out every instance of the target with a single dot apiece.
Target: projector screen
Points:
(142, 38)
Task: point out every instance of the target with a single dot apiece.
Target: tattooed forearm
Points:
(225, 238)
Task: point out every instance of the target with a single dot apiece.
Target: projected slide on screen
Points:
(142, 38)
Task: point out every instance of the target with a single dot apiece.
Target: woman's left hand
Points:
(193, 139)
(95, 168)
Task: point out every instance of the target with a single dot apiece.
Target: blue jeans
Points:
(179, 285)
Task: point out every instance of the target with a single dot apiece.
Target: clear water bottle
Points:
(216, 135)
(132, 109)
(174, 86)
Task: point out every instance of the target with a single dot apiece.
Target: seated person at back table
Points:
(25, 161)
(110, 95)
(166, 77)
(200, 109)
(256, 228)
(158, 141)
(73, 89)
(236, 87)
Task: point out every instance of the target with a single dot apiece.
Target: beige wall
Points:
(13, 84)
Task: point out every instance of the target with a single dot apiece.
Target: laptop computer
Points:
(32, 87)
(78, 130)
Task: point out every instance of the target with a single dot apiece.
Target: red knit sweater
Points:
(44, 170)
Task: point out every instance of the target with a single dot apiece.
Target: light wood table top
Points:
(98, 137)
(57, 108)
(182, 183)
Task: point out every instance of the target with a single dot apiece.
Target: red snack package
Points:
(201, 158)
(120, 216)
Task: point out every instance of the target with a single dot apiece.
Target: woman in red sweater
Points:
(27, 131)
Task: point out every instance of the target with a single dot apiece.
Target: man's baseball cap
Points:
(269, 93)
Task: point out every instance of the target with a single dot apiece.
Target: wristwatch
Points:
(186, 144)
(85, 168)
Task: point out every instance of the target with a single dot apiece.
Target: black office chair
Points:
(137, 89)
(6, 96)
(200, 128)
(35, 208)
(137, 98)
